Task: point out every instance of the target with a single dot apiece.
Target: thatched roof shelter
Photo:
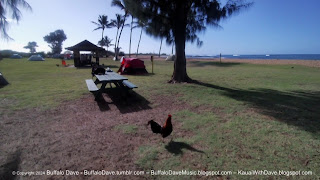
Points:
(84, 46)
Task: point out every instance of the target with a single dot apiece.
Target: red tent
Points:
(132, 66)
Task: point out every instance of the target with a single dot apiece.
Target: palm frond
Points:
(95, 23)
(117, 3)
(3, 29)
(97, 28)
(13, 7)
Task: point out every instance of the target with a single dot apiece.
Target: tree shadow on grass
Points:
(12, 164)
(297, 108)
(176, 148)
(211, 63)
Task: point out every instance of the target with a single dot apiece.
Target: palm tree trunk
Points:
(130, 36)
(118, 43)
(160, 46)
(102, 38)
(139, 43)
(172, 48)
(120, 36)
(115, 46)
(102, 34)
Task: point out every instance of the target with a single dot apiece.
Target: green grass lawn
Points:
(240, 116)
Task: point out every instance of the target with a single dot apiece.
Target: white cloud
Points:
(15, 46)
(43, 47)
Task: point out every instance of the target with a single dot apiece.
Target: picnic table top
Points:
(111, 76)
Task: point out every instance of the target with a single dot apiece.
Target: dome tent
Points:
(3, 81)
(132, 66)
(36, 58)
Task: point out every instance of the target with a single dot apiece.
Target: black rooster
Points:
(165, 130)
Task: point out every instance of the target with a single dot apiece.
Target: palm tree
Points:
(160, 46)
(12, 7)
(118, 23)
(122, 6)
(131, 27)
(172, 48)
(162, 34)
(101, 42)
(106, 41)
(141, 25)
(102, 23)
(171, 41)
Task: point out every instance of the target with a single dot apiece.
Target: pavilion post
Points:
(76, 58)
(97, 57)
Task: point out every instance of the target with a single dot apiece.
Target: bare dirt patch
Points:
(80, 135)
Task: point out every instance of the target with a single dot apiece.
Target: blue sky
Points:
(268, 27)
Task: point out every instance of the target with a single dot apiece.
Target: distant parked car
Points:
(16, 56)
(58, 56)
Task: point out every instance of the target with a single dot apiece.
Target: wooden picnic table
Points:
(119, 81)
(110, 77)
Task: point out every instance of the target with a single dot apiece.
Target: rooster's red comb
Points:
(169, 115)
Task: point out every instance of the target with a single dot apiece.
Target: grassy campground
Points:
(237, 116)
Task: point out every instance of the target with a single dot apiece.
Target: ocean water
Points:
(264, 56)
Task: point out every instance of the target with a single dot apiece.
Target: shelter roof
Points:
(85, 46)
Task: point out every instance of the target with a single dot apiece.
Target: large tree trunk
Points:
(180, 70)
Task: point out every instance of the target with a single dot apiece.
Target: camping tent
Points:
(3, 81)
(171, 58)
(15, 56)
(132, 66)
(36, 58)
(67, 55)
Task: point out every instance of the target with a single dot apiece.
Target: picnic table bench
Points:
(129, 84)
(119, 81)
